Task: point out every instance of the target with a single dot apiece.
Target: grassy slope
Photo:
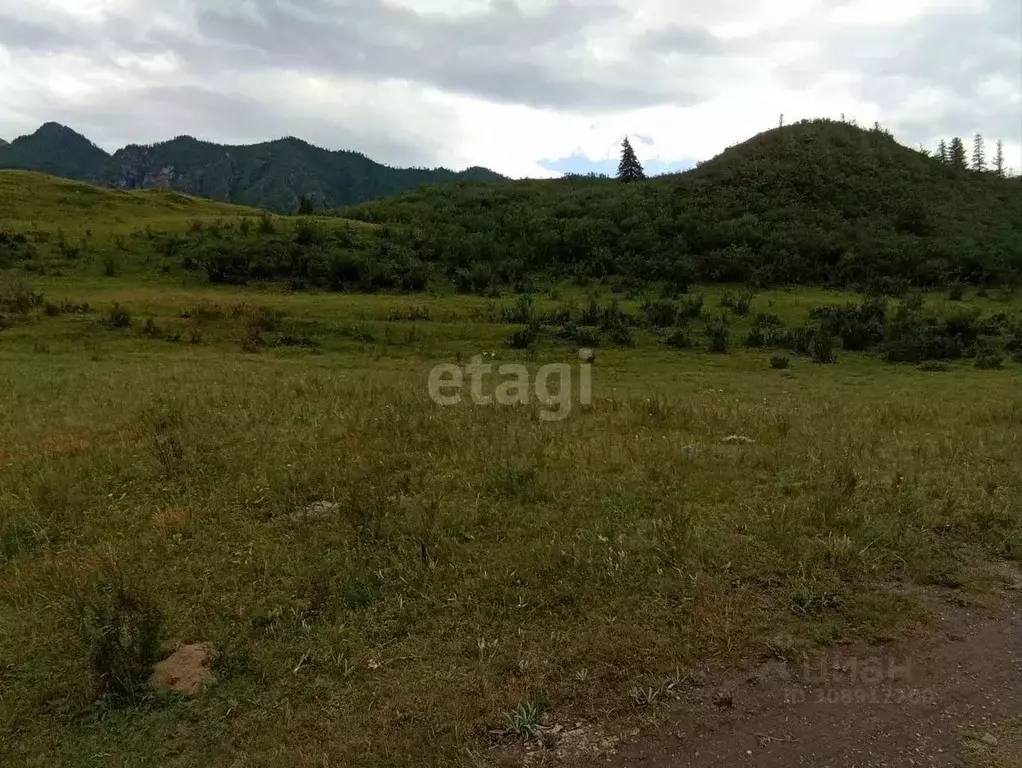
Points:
(29, 199)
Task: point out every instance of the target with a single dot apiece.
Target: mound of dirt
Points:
(186, 670)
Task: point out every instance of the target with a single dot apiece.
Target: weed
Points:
(121, 627)
(779, 363)
(524, 721)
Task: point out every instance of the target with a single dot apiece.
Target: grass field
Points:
(473, 559)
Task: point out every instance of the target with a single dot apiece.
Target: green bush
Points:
(779, 362)
(821, 347)
(719, 334)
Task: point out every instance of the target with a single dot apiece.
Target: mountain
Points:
(817, 202)
(56, 150)
(273, 175)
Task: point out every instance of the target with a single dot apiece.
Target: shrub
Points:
(111, 265)
(122, 629)
(679, 338)
(525, 337)
(619, 333)
(738, 302)
(16, 297)
(821, 347)
(118, 317)
(913, 337)
(779, 362)
(660, 313)
(690, 307)
(719, 334)
(577, 334)
(859, 326)
(956, 292)
(934, 366)
(756, 338)
(799, 340)
(988, 360)
(523, 311)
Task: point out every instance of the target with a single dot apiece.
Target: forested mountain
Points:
(273, 175)
(820, 201)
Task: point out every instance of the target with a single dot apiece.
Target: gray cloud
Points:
(502, 55)
(680, 39)
(949, 51)
(581, 57)
(233, 118)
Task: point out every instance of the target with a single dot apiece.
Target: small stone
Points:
(989, 739)
(737, 440)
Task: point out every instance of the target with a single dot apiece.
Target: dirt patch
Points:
(172, 517)
(186, 670)
(925, 702)
(65, 444)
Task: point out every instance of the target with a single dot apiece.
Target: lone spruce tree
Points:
(629, 169)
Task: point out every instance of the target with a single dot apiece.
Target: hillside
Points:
(816, 202)
(38, 200)
(273, 175)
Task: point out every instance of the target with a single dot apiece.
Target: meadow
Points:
(388, 582)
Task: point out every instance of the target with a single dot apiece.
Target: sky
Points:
(525, 87)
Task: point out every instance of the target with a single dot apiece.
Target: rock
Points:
(586, 355)
(737, 440)
(989, 739)
(186, 670)
(317, 510)
(690, 450)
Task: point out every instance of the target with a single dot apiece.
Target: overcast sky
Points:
(526, 87)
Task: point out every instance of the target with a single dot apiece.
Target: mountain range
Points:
(273, 175)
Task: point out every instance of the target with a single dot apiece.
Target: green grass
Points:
(478, 559)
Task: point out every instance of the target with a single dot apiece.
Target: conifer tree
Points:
(999, 159)
(942, 152)
(956, 154)
(629, 169)
(305, 206)
(979, 158)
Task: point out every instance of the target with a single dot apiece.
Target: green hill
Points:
(816, 202)
(273, 175)
(29, 199)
